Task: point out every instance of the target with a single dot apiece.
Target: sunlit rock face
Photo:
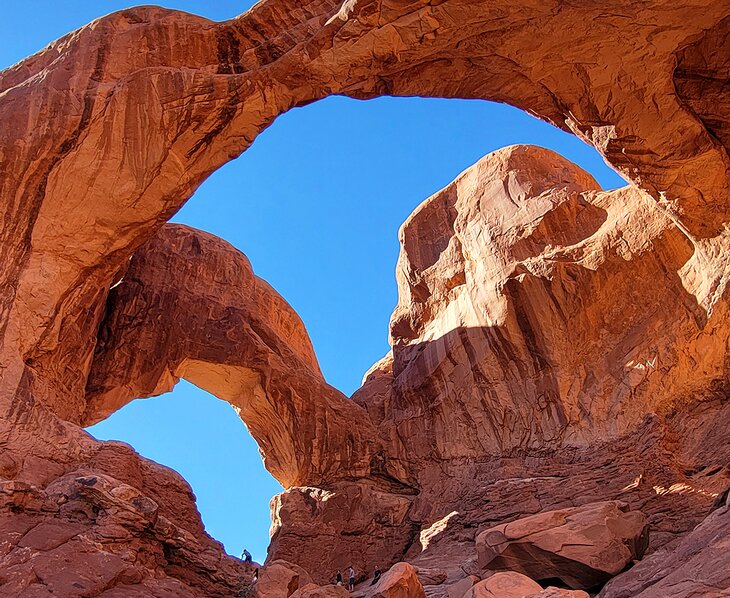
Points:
(550, 349)
(553, 344)
(516, 383)
(536, 311)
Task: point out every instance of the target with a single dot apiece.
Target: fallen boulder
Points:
(504, 585)
(400, 581)
(509, 584)
(551, 592)
(698, 565)
(582, 546)
(280, 579)
(314, 591)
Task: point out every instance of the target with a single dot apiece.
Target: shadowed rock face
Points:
(553, 344)
(189, 305)
(697, 564)
(582, 547)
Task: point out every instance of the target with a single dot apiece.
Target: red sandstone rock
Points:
(280, 579)
(545, 355)
(189, 306)
(400, 581)
(358, 524)
(552, 592)
(696, 565)
(503, 284)
(504, 585)
(583, 547)
(314, 591)
(515, 585)
(460, 588)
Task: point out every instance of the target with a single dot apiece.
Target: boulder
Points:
(552, 592)
(504, 585)
(314, 591)
(400, 581)
(280, 579)
(582, 546)
(697, 565)
(515, 585)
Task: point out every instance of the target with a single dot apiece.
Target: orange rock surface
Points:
(400, 581)
(504, 585)
(583, 547)
(189, 306)
(553, 344)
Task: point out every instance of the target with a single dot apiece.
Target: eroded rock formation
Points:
(583, 547)
(553, 344)
(400, 581)
(189, 306)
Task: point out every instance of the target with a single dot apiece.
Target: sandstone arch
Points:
(189, 306)
(208, 101)
(102, 173)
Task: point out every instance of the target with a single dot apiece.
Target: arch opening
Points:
(285, 204)
(202, 438)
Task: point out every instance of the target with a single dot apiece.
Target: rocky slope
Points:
(554, 345)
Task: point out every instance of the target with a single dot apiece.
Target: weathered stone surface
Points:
(509, 584)
(557, 353)
(504, 277)
(400, 581)
(460, 588)
(696, 565)
(583, 547)
(189, 306)
(359, 524)
(88, 534)
(216, 91)
(280, 579)
(314, 591)
(504, 585)
(551, 592)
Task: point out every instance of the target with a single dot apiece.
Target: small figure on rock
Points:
(351, 575)
(246, 556)
(338, 577)
(376, 576)
(255, 575)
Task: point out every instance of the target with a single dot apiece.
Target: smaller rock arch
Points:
(189, 306)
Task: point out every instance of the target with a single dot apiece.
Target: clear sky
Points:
(315, 204)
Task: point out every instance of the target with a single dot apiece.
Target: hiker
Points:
(376, 576)
(255, 575)
(351, 575)
(246, 556)
(338, 577)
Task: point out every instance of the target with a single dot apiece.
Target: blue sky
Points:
(315, 204)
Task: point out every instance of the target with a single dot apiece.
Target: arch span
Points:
(148, 127)
(189, 306)
(100, 146)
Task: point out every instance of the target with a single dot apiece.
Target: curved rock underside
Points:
(553, 345)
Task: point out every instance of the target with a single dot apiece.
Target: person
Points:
(246, 556)
(338, 577)
(376, 576)
(255, 575)
(351, 575)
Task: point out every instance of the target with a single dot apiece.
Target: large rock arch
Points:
(189, 306)
(129, 168)
(101, 144)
